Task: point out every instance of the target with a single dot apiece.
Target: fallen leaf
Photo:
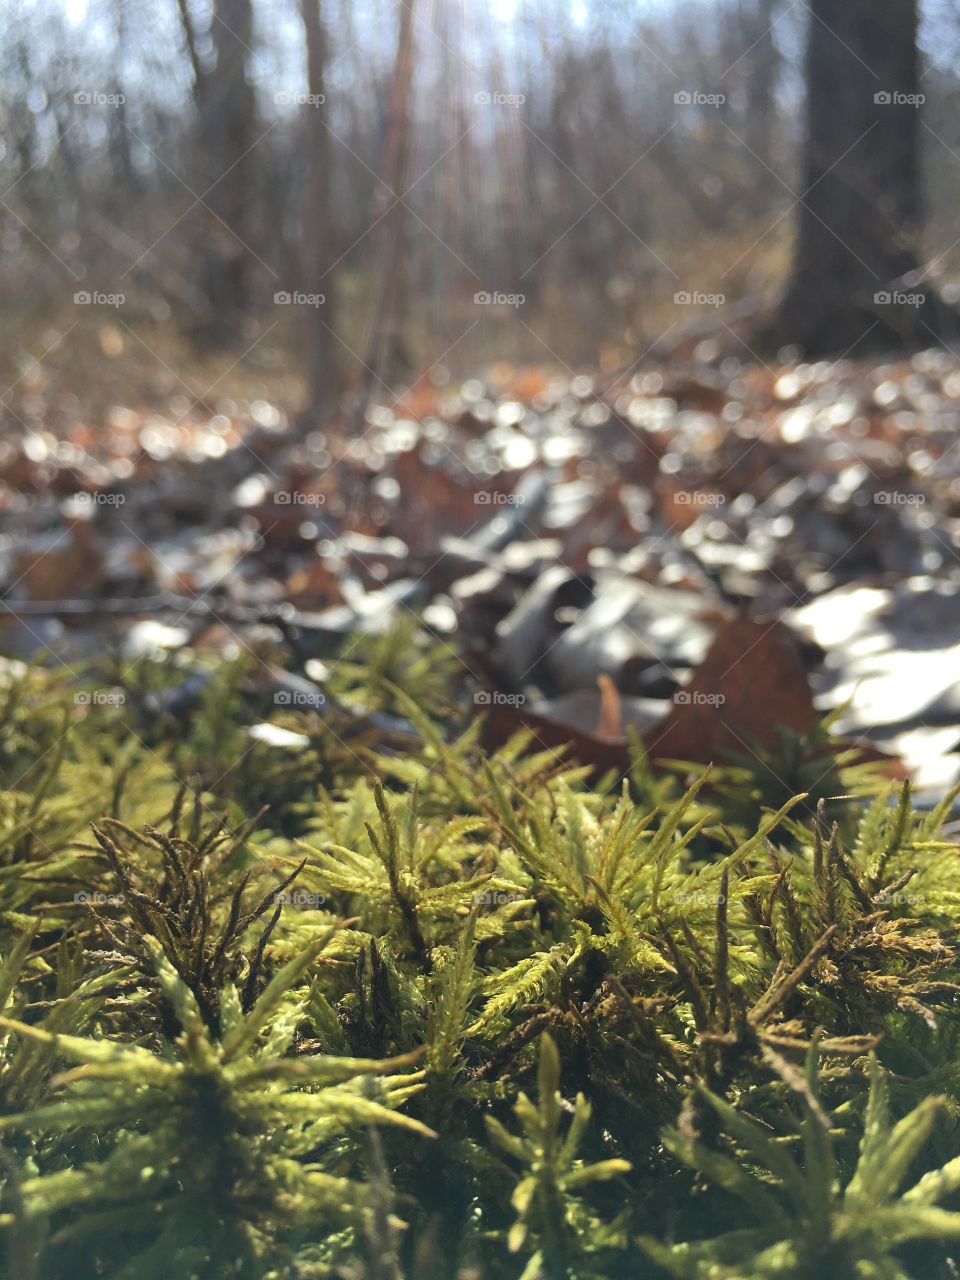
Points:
(751, 683)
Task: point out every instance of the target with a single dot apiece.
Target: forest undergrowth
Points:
(297, 1004)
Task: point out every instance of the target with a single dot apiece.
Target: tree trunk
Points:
(317, 252)
(190, 40)
(854, 280)
(761, 73)
(385, 357)
(129, 187)
(228, 133)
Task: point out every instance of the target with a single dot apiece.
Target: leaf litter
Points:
(697, 553)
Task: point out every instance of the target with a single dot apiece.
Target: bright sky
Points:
(504, 10)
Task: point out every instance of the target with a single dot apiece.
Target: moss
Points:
(434, 1012)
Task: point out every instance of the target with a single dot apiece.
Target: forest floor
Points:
(578, 544)
(323, 958)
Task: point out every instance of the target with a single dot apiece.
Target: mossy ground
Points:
(336, 1010)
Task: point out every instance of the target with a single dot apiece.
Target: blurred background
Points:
(313, 193)
(560, 335)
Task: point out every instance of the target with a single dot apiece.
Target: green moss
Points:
(435, 1013)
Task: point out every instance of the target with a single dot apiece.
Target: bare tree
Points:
(856, 260)
(227, 120)
(317, 239)
(759, 64)
(384, 356)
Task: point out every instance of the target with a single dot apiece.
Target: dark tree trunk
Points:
(317, 253)
(121, 139)
(227, 108)
(385, 355)
(860, 210)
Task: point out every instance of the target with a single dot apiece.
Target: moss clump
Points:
(433, 1012)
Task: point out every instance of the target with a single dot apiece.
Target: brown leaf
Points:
(68, 564)
(503, 721)
(751, 683)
